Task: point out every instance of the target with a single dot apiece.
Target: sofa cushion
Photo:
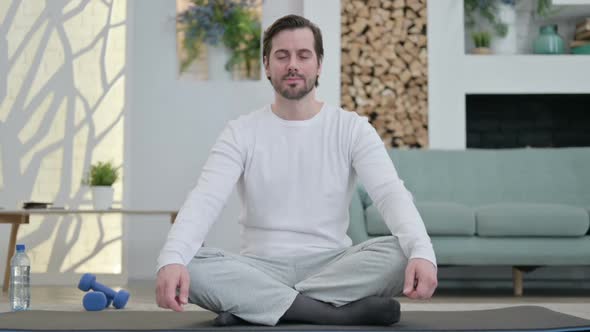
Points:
(364, 196)
(375, 224)
(523, 251)
(440, 218)
(476, 177)
(531, 219)
(447, 218)
(357, 228)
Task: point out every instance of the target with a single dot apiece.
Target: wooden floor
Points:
(142, 298)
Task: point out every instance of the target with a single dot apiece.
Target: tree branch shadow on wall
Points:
(20, 181)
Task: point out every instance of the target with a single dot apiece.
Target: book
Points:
(576, 43)
(35, 205)
(583, 36)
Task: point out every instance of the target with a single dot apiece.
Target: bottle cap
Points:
(20, 247)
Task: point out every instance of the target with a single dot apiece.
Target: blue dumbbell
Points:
(120, 298)
(95, 301)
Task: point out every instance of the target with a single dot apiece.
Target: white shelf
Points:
(491, 74)
(570, 2)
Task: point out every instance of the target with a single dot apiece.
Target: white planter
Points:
(509, 43)
(102, 197)
(217, 57)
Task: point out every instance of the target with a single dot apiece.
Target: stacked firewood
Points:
(385, 67)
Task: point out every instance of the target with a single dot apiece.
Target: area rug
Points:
(519, 318)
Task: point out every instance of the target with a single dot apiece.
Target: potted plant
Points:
(488, 10)
(100, 179)
(232, 24)
(481, 40)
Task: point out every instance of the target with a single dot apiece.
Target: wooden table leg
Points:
(10, 253)
(517, 280)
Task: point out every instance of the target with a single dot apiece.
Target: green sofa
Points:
(523, 208)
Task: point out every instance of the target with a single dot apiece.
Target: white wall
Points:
(452, 74)
(326, 14)
(173, 124)
(446, 100)
(62, 93)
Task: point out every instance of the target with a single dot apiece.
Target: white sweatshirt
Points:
(295, 181)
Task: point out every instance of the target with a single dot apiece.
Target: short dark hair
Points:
(291, 22)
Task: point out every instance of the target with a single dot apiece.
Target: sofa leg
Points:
(517, 281)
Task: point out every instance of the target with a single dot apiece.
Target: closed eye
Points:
(305, 54)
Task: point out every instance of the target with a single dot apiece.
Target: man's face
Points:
(292, 64)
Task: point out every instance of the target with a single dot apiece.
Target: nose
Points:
(293, 65)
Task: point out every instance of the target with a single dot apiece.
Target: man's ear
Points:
(320, 67)
(265, 63)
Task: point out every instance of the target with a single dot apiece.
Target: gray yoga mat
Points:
(520, 318)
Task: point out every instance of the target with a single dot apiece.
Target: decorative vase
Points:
(548, 41)
(507, 44)
(217, 57)
(102, 197)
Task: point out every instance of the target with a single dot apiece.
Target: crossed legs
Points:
(351, 286)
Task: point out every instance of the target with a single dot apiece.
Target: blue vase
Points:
(548, 41)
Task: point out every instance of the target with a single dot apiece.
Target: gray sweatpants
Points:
(261, 289)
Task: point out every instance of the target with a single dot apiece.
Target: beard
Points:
(293, 91)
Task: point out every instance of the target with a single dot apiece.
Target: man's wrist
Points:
(425, 259)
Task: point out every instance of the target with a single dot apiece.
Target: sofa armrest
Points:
(357, 228)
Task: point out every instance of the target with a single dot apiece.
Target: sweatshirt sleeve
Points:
(378, 175)
(204, 203)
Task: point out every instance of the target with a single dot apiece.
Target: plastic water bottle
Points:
(20, 289)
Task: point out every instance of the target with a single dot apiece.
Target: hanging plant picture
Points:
(219, 39)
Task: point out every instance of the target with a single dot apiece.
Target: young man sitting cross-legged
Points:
(296, 162)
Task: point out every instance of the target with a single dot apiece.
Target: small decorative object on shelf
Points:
(101, 178)
(581, 42)
(477, 11)
(548, 41)
(481, 40)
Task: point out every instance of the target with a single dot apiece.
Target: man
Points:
(296, 162)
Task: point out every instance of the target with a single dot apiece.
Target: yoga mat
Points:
(520, 318)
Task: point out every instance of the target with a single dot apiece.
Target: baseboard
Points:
(72, 279)
(452, 282)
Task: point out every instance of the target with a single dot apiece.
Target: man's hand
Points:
(421, 280)
(171, 277)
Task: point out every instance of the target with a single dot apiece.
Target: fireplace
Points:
(527, 120)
